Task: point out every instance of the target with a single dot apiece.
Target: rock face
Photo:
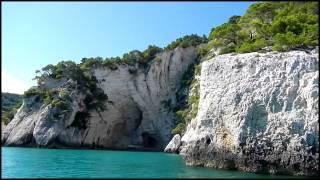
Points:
(174, 144)
(138, 109)
(258, 112)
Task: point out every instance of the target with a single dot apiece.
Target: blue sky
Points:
(35, 34)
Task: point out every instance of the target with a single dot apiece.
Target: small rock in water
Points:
(174, 144)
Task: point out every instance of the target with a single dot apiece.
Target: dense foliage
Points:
(9, 105)
(282, 25)
(186, 41)
(131, 58)
(143, 58)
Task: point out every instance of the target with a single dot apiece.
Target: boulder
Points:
(174, 144)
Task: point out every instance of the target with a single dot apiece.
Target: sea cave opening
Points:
(148, 140)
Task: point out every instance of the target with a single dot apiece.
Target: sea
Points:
(18, 162)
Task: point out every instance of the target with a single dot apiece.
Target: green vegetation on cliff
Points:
(282, 25)
(187, 108)
(186, 41)
(10, 103)
(68, 70)
(142, 59)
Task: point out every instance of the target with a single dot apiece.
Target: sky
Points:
(35, 34)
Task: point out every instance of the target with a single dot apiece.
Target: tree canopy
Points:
(282, 25)
(186, 41)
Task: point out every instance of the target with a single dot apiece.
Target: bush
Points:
(64, 94)
(88, 63)
(150, 53)
(194, 111)
(245, 48)
(49, 96)
(182, 114)
(60, 104)
(228, 49)
(225, 35)
(7, 116)
(132, 57)
(32, 92)
(186, 41)
(202, 51)
(260, 43)
(283, 25)
(111, 62)
(179, 129)
(193, 99)
(197, 69)
(284, 42)
(252, 47)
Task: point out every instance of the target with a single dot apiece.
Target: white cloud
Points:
(12, 84)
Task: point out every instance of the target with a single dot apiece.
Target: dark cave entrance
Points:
(148, 140)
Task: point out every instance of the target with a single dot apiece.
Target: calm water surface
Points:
(67, 163)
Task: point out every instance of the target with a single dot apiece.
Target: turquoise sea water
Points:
(67, 163)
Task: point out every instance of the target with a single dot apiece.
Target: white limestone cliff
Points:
(258, 112)
(137, 111)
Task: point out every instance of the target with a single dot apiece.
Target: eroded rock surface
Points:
(258, 112)
(174, 144)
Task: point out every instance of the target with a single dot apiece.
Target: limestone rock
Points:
(138, 108)
(258, 112)
(174, 144)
